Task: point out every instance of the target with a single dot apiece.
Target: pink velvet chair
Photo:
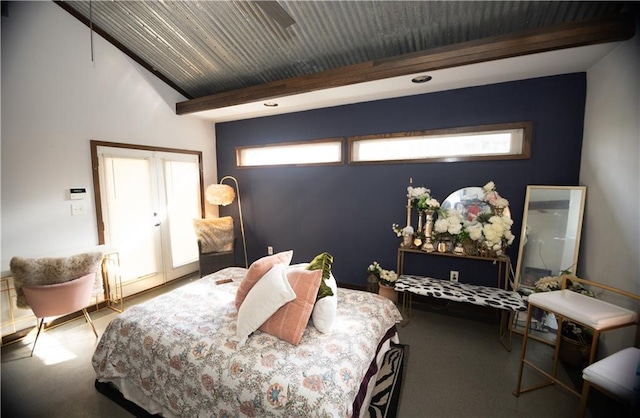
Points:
(60, 299)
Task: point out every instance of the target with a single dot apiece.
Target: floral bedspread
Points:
(176, 350)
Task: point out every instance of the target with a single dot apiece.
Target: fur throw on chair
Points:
(214, 235)
(44, 271)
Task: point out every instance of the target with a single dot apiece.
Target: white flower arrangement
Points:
(427, 202)
(489, 187)
(374, 269)
(497, 233)
(493, 233)
(415, 193)
(501, 202)
(475, 230)
(407, 230)
(492, 197)
(551, 283)
(422, 198)
(547, 284)
(448, 225)
(388, 277)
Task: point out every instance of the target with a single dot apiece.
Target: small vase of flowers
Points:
(386, 281)
(493, 198)
(446, 229)
(406, 233)
(427, 202)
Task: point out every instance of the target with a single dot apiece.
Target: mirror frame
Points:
(525, 215)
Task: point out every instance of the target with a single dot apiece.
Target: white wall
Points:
(54, 101)
(610, 248)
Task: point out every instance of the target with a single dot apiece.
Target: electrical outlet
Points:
(269, 250)
(453, 275)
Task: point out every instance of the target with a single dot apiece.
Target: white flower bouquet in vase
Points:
(446, 230)
(492, 197)
(386, 280)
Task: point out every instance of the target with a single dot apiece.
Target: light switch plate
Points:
(78, 209)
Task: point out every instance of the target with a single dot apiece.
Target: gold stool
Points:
(597, 315)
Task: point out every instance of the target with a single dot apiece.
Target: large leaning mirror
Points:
(550, 237)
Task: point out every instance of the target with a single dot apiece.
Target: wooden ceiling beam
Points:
(588, 32)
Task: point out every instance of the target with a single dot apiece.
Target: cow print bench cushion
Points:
(460, 292)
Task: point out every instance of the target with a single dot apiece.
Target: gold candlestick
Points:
(409, 202)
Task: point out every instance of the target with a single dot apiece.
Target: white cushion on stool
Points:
(594, 313)
(616, 373)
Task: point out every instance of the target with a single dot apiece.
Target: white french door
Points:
(149, 200)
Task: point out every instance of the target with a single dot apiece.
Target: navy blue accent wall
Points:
(348, 210)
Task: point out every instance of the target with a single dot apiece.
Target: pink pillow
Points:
(258, 269)
(290, 321)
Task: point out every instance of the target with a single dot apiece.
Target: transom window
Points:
(487, 142)
(325, 151)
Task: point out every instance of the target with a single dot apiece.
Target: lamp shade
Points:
(220, 194)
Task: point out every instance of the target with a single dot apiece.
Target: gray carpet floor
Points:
(456, 368)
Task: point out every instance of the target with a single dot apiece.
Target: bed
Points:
(175, 355)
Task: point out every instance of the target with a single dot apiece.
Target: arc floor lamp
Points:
(223, 195)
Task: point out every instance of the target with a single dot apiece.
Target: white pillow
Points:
(267, 296)
(325, 310)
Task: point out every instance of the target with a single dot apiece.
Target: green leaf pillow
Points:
(322, 262)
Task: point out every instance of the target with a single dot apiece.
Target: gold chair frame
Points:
(553, 377)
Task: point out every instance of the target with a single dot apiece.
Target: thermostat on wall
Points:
(77, 194)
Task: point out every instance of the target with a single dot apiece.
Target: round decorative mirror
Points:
(469, 201)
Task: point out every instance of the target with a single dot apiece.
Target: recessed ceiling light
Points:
(421, 79)
(271, 104)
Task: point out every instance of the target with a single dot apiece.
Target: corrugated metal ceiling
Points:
(208, 47)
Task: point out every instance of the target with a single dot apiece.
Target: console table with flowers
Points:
(475, 227)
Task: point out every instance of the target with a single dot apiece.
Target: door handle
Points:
(155, 215)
